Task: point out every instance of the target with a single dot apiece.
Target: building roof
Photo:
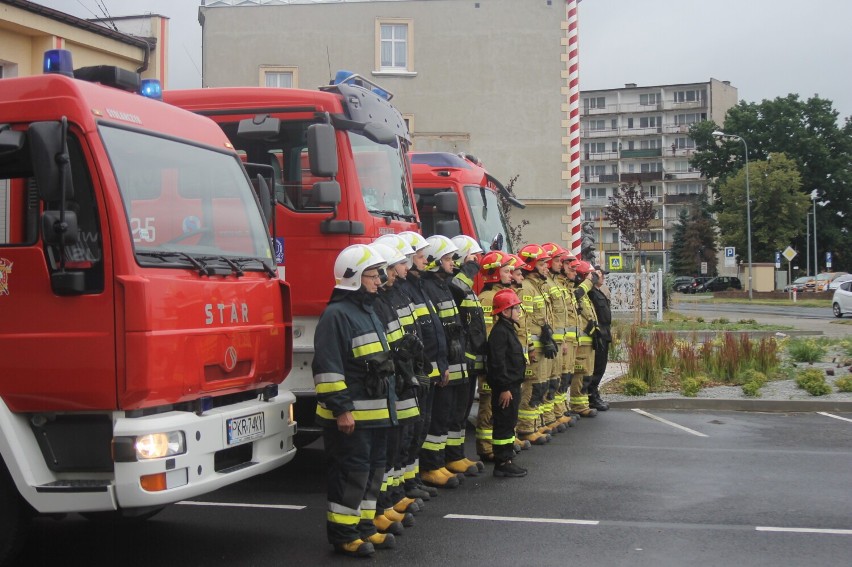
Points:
(144, 43)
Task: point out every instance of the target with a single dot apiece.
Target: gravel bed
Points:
(780, 390)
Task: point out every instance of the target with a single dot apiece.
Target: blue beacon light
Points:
(58, 61)
(151, 88)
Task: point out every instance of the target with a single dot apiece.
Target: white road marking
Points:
(834, 416)
(242, 505)
(525, 520)
(803, 530)
(667, 422)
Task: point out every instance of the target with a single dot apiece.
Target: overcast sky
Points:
(765, 48)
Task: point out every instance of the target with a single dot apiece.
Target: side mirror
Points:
(260, 127)
(325, 194)
(10, 140)
(497, 242)
(448, 228)
(447, 203)
(58, 229)
(322, 150)
(50, 160)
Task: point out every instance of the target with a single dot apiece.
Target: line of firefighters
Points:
(401, 349)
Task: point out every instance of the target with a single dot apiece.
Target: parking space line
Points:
(803, 530)
(523, 520)
(667, 422)
(834, 416)
(242, 505)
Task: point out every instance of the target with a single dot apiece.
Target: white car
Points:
(841, 303)
(835, 283)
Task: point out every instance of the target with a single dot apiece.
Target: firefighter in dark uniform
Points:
(353, 373)
(599, 295)
(506, 369)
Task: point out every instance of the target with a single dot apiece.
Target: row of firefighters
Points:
(405, 342)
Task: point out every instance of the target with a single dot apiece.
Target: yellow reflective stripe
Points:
(407, 320)
(445, 313)
(428, 446)
(455, 442)
(469, 303)
(527, 414)
(368, 514)
(484, 434)
(421, 311)
(571, 334)
(328, 387)
(394, 336)
(586, 340)
(469, 355)
(343, 519)
(370, 415)
(367, 349)
(489, 320)
(508, 441)
(407, 413)
(484, 387)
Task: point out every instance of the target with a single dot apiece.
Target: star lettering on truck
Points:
(225, 313)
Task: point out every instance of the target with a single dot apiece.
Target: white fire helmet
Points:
(466, 246)
(351, 263)
(439, 246)
(399, 243)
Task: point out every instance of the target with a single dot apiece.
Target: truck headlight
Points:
(159, 445)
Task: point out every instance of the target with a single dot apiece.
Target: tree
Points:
(777, 207)
(631, 212)
(516, 232)
(694, 240)
(807, 131)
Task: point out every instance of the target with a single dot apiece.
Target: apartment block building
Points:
(639, 135)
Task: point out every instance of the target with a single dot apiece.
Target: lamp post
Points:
(719, 134)
(816, 258)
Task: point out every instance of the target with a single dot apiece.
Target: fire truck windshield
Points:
(186, 201)
(382, 176)
(488, 219)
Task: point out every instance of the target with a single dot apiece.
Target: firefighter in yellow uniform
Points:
(555, 417)
(565, 280)
(585, 363)
(542, 348)
(496, 272)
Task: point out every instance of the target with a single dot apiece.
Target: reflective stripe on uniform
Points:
(366, 344)
(435, 442)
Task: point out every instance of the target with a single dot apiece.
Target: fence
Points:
(641, 294)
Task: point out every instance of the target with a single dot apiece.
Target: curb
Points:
(721, 404)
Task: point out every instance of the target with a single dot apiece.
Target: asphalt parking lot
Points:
(652, 487)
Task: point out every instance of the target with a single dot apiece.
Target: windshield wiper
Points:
(238, 270)
(203, 269)
(266, 267)
(392, 214)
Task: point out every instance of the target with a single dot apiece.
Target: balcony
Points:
(646, 153)
(608, 178)
(601, 156)
(641, 177)
(637, 107)
(683, 175)
(608, 109)
(643, 246)
(676, 128)
(680, 199)
(686, 105)
(641, 131)
(601, 133)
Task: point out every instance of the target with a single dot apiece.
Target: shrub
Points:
(635, 387)
(752, 375)
(818, 388)
(844, 384)
(806, 350)
(808, 376)
(689, 387)
(752, 389)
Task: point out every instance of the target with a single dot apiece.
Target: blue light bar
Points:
(350, 78)
(151, 88)
(58, 61)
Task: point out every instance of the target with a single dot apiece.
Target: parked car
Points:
(720, 283)
(825, 278)
(696, 282)
(798, 284)
(681, 282)
(835, 283)
(841, 302)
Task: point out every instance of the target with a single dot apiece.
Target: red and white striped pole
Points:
(574, 126)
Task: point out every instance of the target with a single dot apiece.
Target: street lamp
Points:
(816, 258)
(719, 134)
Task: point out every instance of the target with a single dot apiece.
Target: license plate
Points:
(246, 428)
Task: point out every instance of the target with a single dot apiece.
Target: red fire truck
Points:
(144, 329)
(478, 211)
(337, 160)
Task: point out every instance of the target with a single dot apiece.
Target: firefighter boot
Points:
(387, 526)
(382, 541)
(462, 467)
(480, 466)
(413, 490)
(523, 444)
(509, 470)
(356, 548)
(408, 505)
(406, 519)
(596, 402)
(438, 479)
(446, 472)
(535, 438)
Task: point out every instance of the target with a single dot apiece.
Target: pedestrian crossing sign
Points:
(614, 263)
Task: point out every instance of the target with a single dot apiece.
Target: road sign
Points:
(615, 263)
(703, 268)
(730, 256)
(789, 253)
(828, 260)
(777, 260)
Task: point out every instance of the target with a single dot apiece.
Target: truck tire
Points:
(15, 517)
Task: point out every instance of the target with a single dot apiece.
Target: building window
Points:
(594, 102)
(684, 143)
(650, 121)
(692, 118)
(649, 167)
(595, 192)
(650, 144)
(597, 124)
(595, 148)
(690, 96)
(395, 40)
(279, 77)
(649, 99)
(687, 189)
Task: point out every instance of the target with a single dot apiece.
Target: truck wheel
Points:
(15, 518)
(123, 516)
